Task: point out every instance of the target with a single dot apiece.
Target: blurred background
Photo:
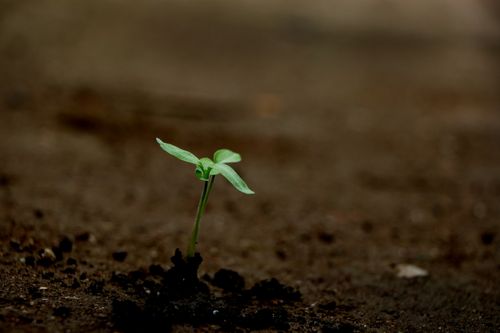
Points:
(374, 113)
(225, 51)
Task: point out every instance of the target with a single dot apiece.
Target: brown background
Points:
(370, 132)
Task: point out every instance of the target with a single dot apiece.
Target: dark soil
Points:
(179, 297)
(372, 142)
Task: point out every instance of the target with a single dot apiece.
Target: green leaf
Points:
(206, 163)
(226, 156)
(181, 154)
(232, 177)
(200, 173)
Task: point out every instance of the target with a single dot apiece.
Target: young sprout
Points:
(206, 170)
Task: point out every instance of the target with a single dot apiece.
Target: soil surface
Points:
(368, 149)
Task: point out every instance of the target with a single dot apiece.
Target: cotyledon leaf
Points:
(226, 156)
(232, 177)
(181, 154)
(206, 162)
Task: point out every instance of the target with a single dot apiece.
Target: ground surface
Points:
(367, 149)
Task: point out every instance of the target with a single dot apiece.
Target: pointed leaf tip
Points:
(177, 152)
(233, 178)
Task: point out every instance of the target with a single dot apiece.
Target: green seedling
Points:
(206, 170)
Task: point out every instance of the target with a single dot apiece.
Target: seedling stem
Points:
(207, 187)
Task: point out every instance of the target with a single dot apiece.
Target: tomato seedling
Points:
(206, 170)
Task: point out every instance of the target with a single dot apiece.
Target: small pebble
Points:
(75, 284)
(48, 253)
(69, 271)
(332, 305)
(120, 255)
(487, 238)
(66, 245)
(367, 226)
(15, 245)
(59, 254)
(38, 213)
(29, 260)
(71, 262)
(47, 258)
(326, 237)
(83, 237)
(281, 254)
(408, 271)
(4, 180)
(96, 287)
(35, 292)
(62, 311)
